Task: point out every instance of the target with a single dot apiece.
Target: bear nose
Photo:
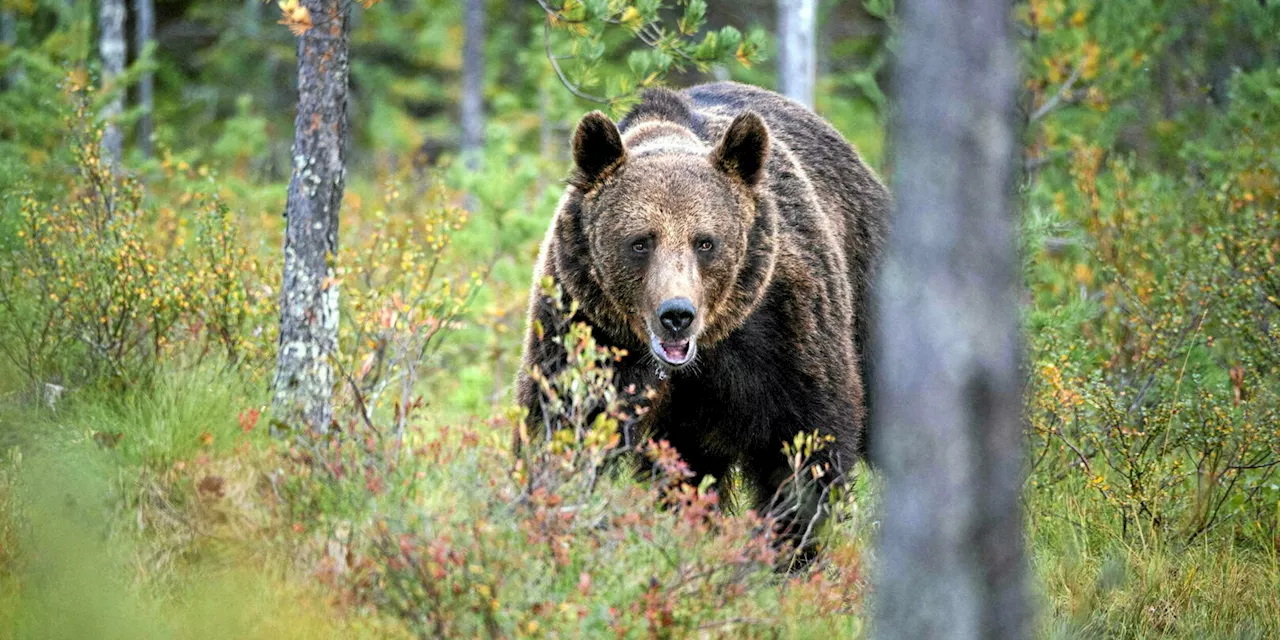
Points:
(676, 314)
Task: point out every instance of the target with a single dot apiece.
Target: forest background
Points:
(141, 493)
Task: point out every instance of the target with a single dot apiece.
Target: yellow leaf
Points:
(296, 17)
(78, 79)
(1083, 274)
(631, 18)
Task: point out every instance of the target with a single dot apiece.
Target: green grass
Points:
(73, 582)
(1094, 581)
(95, 545)
(190, 408)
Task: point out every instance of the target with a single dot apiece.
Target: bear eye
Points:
(705, 245)
(640, 246)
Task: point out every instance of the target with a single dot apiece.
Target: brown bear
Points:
(725, 237)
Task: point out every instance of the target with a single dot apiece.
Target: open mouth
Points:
(676, 353)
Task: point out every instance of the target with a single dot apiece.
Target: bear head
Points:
(678, 232)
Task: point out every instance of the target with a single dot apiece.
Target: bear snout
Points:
(676, 316)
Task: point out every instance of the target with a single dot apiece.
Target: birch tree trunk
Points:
(798, 49)
(144, 33)
(309, 298)
(9, 38)
(947, 426)
(111, 47)
(473, 81)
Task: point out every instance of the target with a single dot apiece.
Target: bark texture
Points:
(948, 411)
(309, 299)
(144, 33)
(473, 81)
(111, 46)
(798, 49)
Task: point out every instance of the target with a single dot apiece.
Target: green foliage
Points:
(1154, 339)
(587, 25)
(1149, 242)
(244, 139)
(94, 289)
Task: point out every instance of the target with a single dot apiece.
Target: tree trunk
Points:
(9, 39)
(797, 49)
(252, 17)
(473, 81)
(144, 34)
(111, 46)
(309, 297)
(948, 429)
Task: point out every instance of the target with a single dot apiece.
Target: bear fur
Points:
(750, 211)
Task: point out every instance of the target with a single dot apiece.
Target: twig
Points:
(732, 621)
(1062, 93)
(1243, 467)
(1031, 165)
(1084, 461)
(359, 396)
(817, 516)
(546, 46)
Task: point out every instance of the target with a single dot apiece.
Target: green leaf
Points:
(639, 62)
(694, 16)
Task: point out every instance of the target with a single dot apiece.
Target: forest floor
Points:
(168, 514)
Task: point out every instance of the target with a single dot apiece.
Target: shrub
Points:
(1156, 400)
(449, 530)
(97, 288)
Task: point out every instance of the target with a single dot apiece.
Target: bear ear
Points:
(744, 148)
(597, 147)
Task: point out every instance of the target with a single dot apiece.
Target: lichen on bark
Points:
(304, 379)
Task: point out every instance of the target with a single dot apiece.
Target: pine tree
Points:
(309, 296)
